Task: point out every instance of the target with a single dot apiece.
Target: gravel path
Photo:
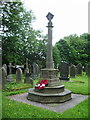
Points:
(59, 107)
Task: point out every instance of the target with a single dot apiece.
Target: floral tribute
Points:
(42, 84)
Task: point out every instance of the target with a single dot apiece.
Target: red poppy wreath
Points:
(42, 84)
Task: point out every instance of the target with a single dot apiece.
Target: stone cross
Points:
(10, 68)
(26, 69)
(49, 61)
(50, 17)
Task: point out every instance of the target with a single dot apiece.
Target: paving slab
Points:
(59, 107)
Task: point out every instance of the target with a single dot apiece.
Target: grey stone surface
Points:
(5, 66)
(36, 71)
(59, 107)
(49, 61)
(87, 69)
(79, 69)
(28, 79)
(50, 74)
(64, 71)
(4, 77)
(49, 97)
(19, 75)
(26, 69)
(9, 77)
(72, 71)
(10, 68)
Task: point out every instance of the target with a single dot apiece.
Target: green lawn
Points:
(78, 85)
(13, 109)
(21, 110)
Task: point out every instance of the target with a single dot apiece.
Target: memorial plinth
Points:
(55, 92)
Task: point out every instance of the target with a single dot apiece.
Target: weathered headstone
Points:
(72, 71)
(35, 70)
(54, 92)
(26, 69)
(10, 77)
(18, 75)
(28, 79)
(29, 66)
(4, 77)
(64, 71)
(79, 69)
(87, 69)
(5, 66)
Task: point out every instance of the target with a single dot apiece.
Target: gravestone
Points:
(10, 77)
(72, 71)
(54, 92)
(35, 71)
(29, 66)
(79, 69)
(87, 69)
(26, 69)
(64, 71)
(28, 79)
(5, 66)
(4, 77)
(19, 75)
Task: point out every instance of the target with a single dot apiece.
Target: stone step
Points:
(49, 90)
(49, 98)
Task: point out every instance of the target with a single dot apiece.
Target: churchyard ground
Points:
(78, 85)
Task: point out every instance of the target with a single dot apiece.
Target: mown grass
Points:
(78, 85)
(13, 109)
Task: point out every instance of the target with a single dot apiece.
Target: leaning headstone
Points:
(79, 69)
(72, 71)
(64, 71)
(87, 69)
(10, 77)
(4, 77)
(5, 66)
(18, 75)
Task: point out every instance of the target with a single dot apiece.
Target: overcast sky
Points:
(70, 16)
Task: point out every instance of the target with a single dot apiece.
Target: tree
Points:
(74, 49)
(56, 56)
(20, 40)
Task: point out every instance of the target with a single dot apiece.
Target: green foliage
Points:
(19, 39)
(74, 49)
(56, 56)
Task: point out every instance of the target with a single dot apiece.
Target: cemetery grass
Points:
(77, 85)
(22, 110)
(17, 86)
